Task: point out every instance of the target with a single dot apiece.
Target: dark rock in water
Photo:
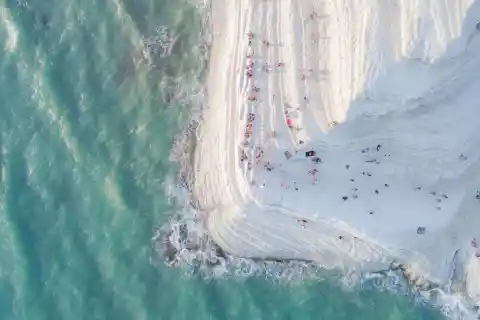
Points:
(212, 263)
(183, 234)
(45, 20)
(192, 246)
(170, 252)
(219, 251)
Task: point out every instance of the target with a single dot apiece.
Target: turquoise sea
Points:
(87, 120)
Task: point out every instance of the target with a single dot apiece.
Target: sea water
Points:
(90, 101)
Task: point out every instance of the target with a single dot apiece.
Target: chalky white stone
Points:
(402, 75)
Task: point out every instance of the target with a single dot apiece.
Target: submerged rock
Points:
(169, 251)
(219, 251)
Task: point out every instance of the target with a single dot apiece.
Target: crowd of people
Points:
(254, 155)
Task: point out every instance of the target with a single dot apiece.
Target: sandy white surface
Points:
(386, 93)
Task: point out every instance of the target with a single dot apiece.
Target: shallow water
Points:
(86, 127)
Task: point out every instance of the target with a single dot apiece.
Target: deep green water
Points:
(85, 133)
